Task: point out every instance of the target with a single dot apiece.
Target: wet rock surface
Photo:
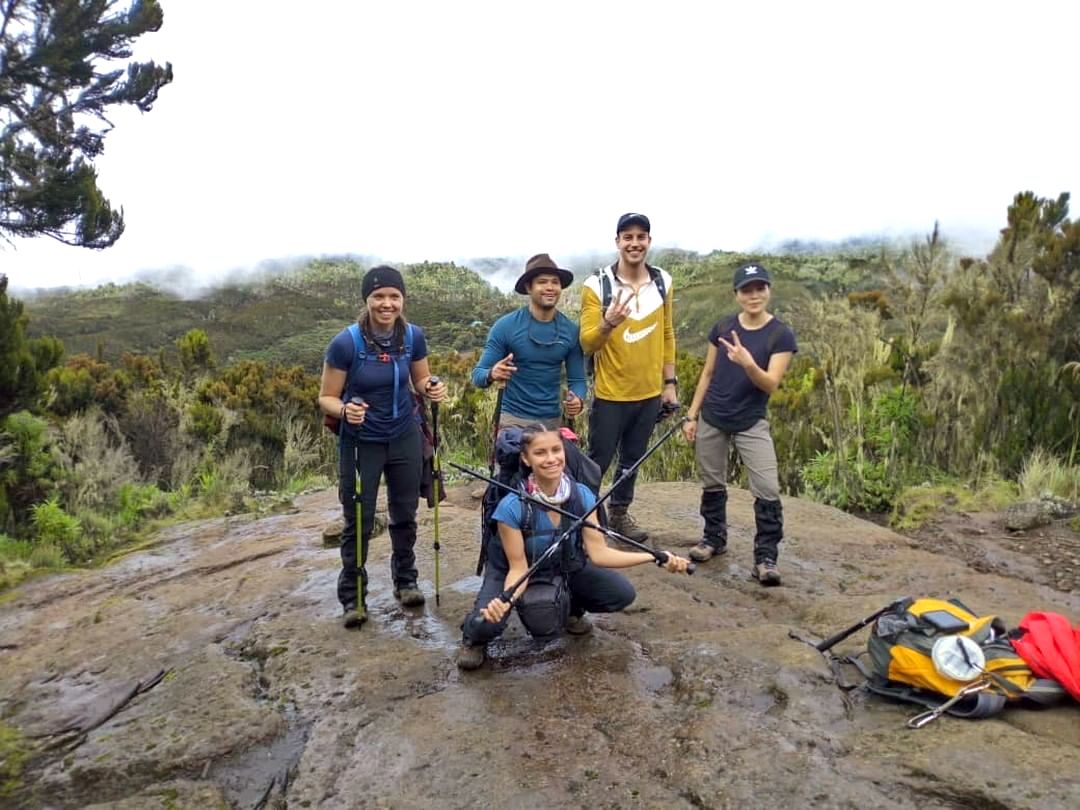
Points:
(1033, 514)
(211, 671)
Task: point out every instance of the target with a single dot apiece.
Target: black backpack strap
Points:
(658, 279)
(605, 288)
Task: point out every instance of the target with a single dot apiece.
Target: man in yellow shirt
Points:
(627, 328)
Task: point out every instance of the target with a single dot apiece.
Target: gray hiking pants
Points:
(755, 447)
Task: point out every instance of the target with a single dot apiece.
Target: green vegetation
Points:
(284, 319)
(13, 756)
(61, 78)
(916, 505)
(923, 380)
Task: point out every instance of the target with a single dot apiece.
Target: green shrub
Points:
(204, 422)
(225, 483)
(96, 461)
(47, 555)
(12, 549)
(851, 484)
(53, 526)
(29, 471)
(1046, 475)
(137, 502)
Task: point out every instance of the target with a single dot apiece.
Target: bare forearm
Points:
(761, 378)
(694, 410)
(606, 557)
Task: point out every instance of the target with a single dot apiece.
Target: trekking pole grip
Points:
(662, 558)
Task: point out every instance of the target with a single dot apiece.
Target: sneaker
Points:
(620, 520)
(767, 573)
(578, 626)
(409, 595)
(705, 551)
(353, 616)
(471, 656)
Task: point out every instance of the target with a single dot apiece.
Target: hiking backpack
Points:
(427, 436)
(332, 423)
(510, 472)
(901, 664)
(655, 275)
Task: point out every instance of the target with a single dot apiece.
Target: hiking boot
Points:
(620, 520)
(353, 616)
(470, 656)
(705, 551)
(578, 626)
(767, 573)
(409, 595)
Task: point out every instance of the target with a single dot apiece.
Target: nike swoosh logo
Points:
(634, 337)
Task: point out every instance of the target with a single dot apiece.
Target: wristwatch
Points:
(671, 381)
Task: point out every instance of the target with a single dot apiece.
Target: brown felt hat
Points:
(538, 265)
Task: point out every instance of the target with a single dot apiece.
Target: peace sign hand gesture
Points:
(617, 311)
(736, 352)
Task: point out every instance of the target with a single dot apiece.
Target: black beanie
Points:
(381, 276)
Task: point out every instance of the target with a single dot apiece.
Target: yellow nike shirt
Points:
(629, 360)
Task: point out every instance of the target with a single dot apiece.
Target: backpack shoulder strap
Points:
(658, 279)
(359, 353)
(605, 287)
(408, 341)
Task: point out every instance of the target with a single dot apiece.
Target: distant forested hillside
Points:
(290, 316)
(287, 317)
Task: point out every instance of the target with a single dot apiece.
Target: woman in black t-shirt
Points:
(747, 357)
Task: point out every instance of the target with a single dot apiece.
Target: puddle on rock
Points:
(467, 585)
(415, 623)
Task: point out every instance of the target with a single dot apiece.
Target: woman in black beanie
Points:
(366, 380)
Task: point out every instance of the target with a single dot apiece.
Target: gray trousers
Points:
(755, 448)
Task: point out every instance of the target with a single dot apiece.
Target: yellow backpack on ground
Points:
(901, 653)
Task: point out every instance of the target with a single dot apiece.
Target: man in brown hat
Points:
(528, 348)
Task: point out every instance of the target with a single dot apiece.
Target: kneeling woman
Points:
(575, 580)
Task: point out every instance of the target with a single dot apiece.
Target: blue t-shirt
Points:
(540, 349)
(509, 511)
(732, 401)
(375, 384)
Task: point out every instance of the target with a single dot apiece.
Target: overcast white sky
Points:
(449, 130)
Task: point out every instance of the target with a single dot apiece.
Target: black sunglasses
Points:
(544, 343)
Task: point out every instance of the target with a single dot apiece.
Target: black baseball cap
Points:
(630, 220)
(748, 273)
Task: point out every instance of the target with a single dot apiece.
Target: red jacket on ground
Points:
(1051, 647)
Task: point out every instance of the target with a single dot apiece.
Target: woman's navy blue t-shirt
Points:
(732, 402)
(374, 382)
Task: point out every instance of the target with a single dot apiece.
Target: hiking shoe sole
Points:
(471, 657)
(767, 574)
(353, 617)
(578, 626)
(703, 552)
(409, 596)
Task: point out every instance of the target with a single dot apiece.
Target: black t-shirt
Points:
(732, 401)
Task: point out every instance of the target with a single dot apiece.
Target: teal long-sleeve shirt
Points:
(540, 349)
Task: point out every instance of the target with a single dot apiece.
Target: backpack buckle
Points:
(383, 357)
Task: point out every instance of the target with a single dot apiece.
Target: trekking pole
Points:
(358, 493)
(436, 478)
(501, 387)
(832, 641)
(661, 557)
(507, 594)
